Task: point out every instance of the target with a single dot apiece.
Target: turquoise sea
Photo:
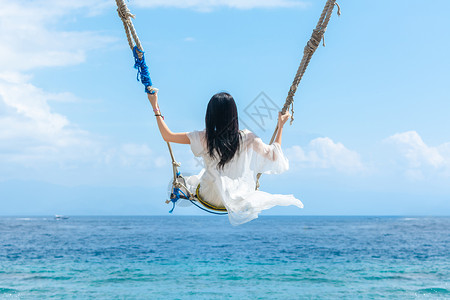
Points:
(204, 257)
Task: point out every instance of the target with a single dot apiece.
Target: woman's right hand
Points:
(282, 119)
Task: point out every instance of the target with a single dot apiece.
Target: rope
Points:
(177, 190)
(308, 51)
(126, 16)
(135, 46)
(210, 211)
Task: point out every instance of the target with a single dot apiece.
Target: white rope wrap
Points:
(152, 89)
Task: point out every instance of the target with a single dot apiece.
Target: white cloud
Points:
(161, 161)
(323, 153)
(417, 158)
(30, 130)
(136, 156)
(31, 34)
(209, 5)
(32, 37)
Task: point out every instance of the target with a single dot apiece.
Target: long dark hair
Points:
(222, 128)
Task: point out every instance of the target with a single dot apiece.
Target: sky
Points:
(78, 136)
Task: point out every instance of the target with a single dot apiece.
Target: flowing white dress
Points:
(234, 186)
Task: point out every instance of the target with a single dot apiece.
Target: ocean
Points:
(204, 257)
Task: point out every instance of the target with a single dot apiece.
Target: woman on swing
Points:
(232, 159)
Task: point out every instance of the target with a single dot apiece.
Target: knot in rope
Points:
(289, 103)
(290, 96)
(177, 184)
(292, 114)
(177, 164)
(314, 41)
(124, 12)
(176, 196)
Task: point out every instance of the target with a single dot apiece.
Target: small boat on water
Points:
(61, 217)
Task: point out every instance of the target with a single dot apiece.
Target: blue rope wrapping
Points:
(176, 192)
(142, 68)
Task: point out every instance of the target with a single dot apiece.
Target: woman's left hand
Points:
(282, 119)
(153, 98)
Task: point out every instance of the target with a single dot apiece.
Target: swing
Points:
(179, 190)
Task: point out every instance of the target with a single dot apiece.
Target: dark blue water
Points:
(204, 258)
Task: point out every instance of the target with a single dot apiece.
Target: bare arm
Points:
(282, 119)
(166, 133)
(268, 151)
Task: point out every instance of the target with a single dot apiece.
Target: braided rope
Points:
(134, 42)
(308, 51)
(126, 16)
(310, 48)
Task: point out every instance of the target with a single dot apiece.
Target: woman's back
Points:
(233, 186)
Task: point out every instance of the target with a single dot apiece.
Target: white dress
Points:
(234, 186)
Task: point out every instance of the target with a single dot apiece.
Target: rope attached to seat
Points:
(209, 211)
(177, 194)
(308, 51)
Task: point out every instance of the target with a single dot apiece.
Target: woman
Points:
(232, 159)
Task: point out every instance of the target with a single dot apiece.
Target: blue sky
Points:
(371, 131)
